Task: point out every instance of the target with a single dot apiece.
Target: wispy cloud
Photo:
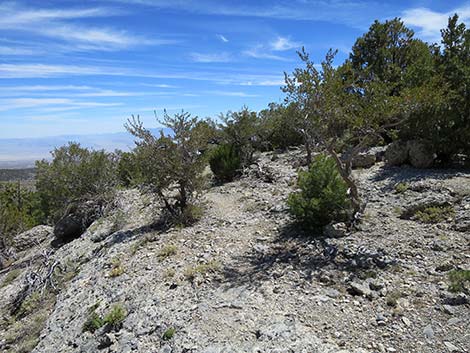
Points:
(284, 43)
(259, 52)
(61, 103)
(43, 70)
(47, 71)
(159, 85)
(55, 23)
(72, 91)
(96, 38)
(42, 88)
(9, 50)
(210, 57)
(14, 15)
(230, 94)
(222, 38)
(429, 23)
(271, 49)
(278, 82)
(353, 13)
(55, 118)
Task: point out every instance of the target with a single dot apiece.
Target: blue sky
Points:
(81, 67)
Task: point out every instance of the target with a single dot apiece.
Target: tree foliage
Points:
(322, 195)
(278, 126)
(75, 173)
(241, 130)
(390, 53)
(171, 165)
(19, 209)
(225, 162)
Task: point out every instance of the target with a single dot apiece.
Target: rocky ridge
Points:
(245, 279)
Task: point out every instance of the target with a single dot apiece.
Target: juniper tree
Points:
(75, 173)
(171, 165)
(334, 112)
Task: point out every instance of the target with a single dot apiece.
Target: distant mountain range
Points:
(23, 152)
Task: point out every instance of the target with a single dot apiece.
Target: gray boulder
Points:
(77, 218)
(379, 152)
(420, 154)
(101, 229)
(364, 160)
(32, 237)
(3, 261)
(396, 153)
(335, 230)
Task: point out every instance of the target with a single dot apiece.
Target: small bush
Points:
(191, 272)
(93, 323)
(225, 162)
(322, 197)
(169, 273)
(190, 215)
(115, 316)
(167, 251)
(75, 173)
(434, 214)
(392, 298)
(117, 269)
(278, 130)
(10, 277)
(168, 334)
(20, 210)
(400, 188)
(23, 336)
(127, 169)
(32, 303)
(458, 279)
(171, 166)
(241, 130)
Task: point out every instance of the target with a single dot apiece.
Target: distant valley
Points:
(18, 153)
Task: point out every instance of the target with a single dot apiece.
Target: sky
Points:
(84, 67)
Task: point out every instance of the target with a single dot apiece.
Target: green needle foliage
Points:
(225, 162)
(322, 197)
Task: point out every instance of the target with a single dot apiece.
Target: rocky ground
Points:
(245, 279)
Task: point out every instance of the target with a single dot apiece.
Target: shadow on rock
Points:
(303, 257)
(409, 174)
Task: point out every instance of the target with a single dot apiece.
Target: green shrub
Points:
(434, 214)
(458, 279)
(401, 187)
(190, 215)
(93, 323)
(127, 169)
(171, 166)
(115, 316)
(277, 128)
(225, 162)
(10, 277)
(75, 173)
(242, 130)
(202, 269)
(20, 209)
(167, 251)
(32, 303)
(168, 334)
(116, 268)
(322, 197)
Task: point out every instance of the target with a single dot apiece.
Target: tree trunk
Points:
(183, 197)
(345, 172)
